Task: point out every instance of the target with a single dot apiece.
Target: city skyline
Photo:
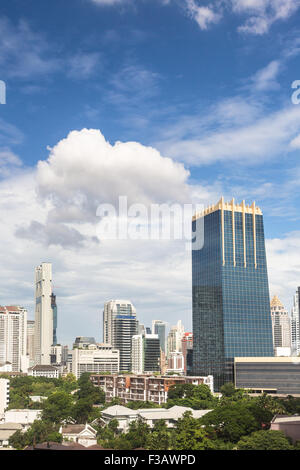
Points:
(156, 102)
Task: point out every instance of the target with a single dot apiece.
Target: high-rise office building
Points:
(119, 326)
(43, 314)
(159, 328)
(13, 337)
(281, 325)
(187, 351)
(174, 340)
(295, 324)
(145, 355)
(30, 341)
(54, 314)
(231, 303)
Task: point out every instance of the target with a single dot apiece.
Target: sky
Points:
(162, 101)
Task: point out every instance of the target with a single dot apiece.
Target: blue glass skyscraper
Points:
(231, 303)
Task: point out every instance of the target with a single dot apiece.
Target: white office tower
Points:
(174, 342)
(281, 326)
(43, 335)
(119, 326)
(295, 327)
(137, 354)
(13, 336)
(95, 359)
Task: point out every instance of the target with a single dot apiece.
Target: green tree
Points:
(189, 434)
(229, 422)
(265, 440)
(159, 438)
(58, 407)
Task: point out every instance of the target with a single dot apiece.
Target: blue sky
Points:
(205, 83)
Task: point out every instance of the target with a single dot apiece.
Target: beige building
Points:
(281, 325)
(30, 341)
(83, 434)
(13, 337)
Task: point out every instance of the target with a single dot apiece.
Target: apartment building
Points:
(143, 387)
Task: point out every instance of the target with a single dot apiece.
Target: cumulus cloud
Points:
(85, 170)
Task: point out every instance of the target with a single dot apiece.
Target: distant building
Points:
(159, 328)
(295, 324)
(83, 341)
(145, 353)
(56, 354)
(95, 358)
(279, 375)
(5, 367)
(43, 335)
(4, 395)
(54, 314)
(144, 387)
(6, 431)
(231, 303)
(13, 337)
(174, 340)
(30, 341)
(48, 371)
(119, 326)
(281, 325)
(176, 363)
(187, 351)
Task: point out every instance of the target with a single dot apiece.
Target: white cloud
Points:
(266, 137)
(203, 15)
(109, 2)
(265, 79)
(82, 65)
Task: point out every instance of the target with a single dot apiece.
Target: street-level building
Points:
(83, 434)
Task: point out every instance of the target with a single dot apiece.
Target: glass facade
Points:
(231, 304)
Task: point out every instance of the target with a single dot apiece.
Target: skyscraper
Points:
(13, 337)
(174, 340)
(119, 326)
(231, 303)
(295, 324)
(145, 355)
(281, 325)
(43, 314)
(159, 328)
(54, 314)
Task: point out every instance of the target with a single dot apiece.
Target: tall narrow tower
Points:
(43, 336)
(231, 303)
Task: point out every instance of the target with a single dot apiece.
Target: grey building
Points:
(280, 375)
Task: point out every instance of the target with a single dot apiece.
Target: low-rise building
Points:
(290, 425)
(5, 367)
(24, 417)
(6, 431)
(280, 375)
(150, 416)
(44, 371)
(83, 434)
(144, 387)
